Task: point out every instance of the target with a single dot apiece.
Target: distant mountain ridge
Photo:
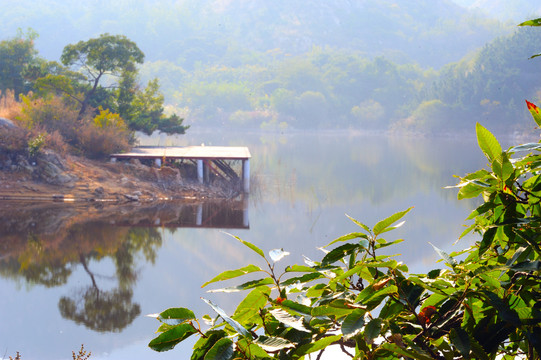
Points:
(430, 32)
(505, 10)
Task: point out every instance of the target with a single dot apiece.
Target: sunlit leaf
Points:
(488, 143)
(526, 147)
(381, 226)
(347, 237)
(271, 343)
(315, 346)
(246, 286)
(363, 226)
(339, 253)
(534, 22)
(231, 274)
(175, 316)
(169, 339)
(278, 254)
(250, 245)
(289, 320)
(300, 309)
(534, 110)
(238, 327)
(448, 259)
(248, 309)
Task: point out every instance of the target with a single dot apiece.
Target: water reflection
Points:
(42, 244)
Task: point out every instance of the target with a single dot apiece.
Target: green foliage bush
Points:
(482, 303)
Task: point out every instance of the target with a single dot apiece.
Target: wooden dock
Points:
(208, 159)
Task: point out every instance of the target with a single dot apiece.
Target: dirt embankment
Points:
(49, 176)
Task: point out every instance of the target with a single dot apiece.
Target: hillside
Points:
(504, 10)
(429, 32)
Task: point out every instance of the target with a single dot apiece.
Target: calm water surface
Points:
(72, 275)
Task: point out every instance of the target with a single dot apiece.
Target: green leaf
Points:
(339, 253)
(488, 237)
(175, 316)
(253, 350)
(287, 319)
(272, 344)
(371, 298)
(278, 254)
(303, 279)
(353, 323)
(203, 345)
(296, 307)
(315, 346)
(169, 339)
(222, 350)
(460, 339)
(363, 226)
(525, 147)
(448, 259)
(470, 190)
(238, 327)
(231, 274)
(405, 352)
(372, 330)
(248, 309)
(354, 235)
(504, 311)
(382, 226)
(250, 245)
(326, 310)
(488, 143)
(534, 22)
(502, 167)
(247, 285)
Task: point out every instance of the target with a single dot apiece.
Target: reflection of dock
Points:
(213, 214)
(214, 160)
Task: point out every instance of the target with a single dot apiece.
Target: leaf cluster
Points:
(485, 306)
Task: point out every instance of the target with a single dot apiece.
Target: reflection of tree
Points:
(50, 260)
(101, 310)
(112, 310)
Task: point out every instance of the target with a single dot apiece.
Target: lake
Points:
(72, 275)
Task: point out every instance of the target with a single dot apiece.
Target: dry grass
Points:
(10, 108)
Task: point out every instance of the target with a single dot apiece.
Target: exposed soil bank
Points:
(50, 177)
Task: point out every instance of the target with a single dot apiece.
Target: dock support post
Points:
(199, 215)
(113, 159)
(158, 162)
(200, 171)
(246, 175)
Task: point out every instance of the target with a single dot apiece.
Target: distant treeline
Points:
(330, 88)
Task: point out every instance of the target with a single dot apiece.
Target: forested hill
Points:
(425, 65)
(429, 32)
(505, 10)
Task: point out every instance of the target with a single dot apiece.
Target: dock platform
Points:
(208, 159)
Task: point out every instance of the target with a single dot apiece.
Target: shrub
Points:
(9, 107)
(92, 136)
(95, 142)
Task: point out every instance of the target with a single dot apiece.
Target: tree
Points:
(17, 55)
(146, 112)
(105, 56)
